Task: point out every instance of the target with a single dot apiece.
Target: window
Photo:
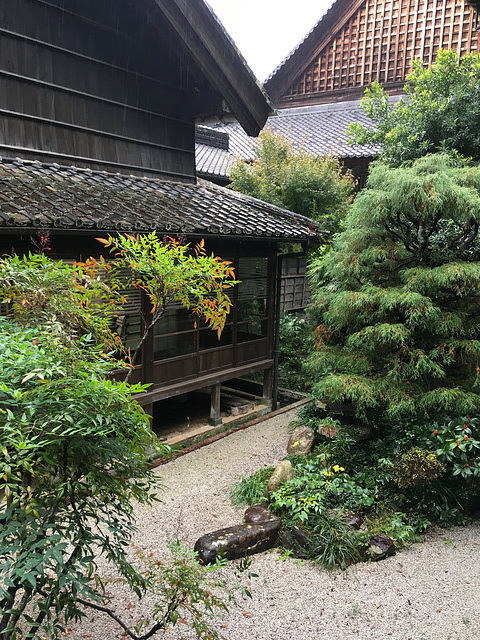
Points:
(252, 299)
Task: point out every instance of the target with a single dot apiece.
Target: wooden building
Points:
(98, 106)
(361, 41)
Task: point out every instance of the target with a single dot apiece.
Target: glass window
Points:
(174, 334)
(252, 299)
(208, 339)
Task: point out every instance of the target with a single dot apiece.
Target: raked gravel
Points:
(428, 591)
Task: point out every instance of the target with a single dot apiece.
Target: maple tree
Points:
(168, 271)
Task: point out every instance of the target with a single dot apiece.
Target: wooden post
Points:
(215, 417)
(268, 386)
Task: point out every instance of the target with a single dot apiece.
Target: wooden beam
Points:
(268, 386)
(177, 388)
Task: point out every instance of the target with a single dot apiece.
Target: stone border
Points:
(164, 460)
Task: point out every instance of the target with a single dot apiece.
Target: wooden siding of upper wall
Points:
(379, 43)
(97, 84)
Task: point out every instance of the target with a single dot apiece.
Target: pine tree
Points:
(398, 315)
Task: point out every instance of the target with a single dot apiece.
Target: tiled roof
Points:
(320, 129)
(34, 194)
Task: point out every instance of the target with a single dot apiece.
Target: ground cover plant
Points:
(74, 449)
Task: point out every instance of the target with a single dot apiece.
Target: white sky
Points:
(266, 31)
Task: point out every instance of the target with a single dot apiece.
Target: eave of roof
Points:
(34, 195)
(219, 59)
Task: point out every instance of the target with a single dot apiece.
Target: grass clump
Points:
(251, 490)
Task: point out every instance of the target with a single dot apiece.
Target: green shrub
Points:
(251, 490)
(296, 342)
(397, 525)
(335, 543)
(457, 445)
(417, 468)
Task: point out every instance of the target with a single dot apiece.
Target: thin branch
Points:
(157, 627)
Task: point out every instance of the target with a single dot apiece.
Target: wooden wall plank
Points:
(78, 90)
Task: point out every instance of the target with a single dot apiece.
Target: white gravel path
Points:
(429, 591)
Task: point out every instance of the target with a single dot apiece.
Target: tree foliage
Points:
(398, 317)
(168, 271)
(292, 178)
(440, 113)
(74, 444)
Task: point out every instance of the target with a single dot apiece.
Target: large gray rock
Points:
(238, 541)
(296, 541)
(283, 472)
(301, 440)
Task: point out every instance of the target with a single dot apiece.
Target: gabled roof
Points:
(320, 129)
(218, 58)
(311, 45)
(357, 42)
(35, 195)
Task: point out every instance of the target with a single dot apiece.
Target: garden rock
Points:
(354, 520)
(296, 541)
(363, 433)
(381, 547)
(283, 472)
(300, 442)
(258, 513)
(349, 517)
(238, 541)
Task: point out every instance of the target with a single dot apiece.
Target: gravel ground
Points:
(429, 591)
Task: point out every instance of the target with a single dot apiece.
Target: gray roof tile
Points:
(34, 194)
(320, 129)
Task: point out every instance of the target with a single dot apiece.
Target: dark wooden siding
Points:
(77, 85)
(378, 42)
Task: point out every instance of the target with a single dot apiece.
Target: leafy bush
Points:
(73, 458)
(316, 488)
(401, 528)
(290, 177)
(457, 444)
(417, 468)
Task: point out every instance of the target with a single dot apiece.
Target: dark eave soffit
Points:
(325, 29)
(220, 61)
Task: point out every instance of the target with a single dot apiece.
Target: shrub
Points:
(335, 543)
(251, 490)
(296, 342)
(417, 468)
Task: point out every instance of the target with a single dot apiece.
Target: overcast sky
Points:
(266, 31)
